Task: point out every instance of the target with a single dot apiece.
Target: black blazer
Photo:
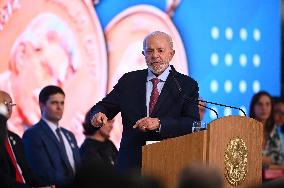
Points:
(7, 170)
(96, 151)
(129, 97)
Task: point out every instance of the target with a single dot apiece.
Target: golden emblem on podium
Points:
(236, 158)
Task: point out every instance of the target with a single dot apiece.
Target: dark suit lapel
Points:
(51, 135)
(48, 132)
(140, 90)
(163, 95)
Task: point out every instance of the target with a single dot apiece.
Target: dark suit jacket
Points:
(43, 153)
(128, 96)
(7, 170)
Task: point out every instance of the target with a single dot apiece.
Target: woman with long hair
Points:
(261, 109)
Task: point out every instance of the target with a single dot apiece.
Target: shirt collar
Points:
(52, 125)
(162, 77)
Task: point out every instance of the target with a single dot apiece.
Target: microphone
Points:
(185, 96)
(3, 110)
(3, 118)
(223, 105)
(207, 108)
(197, 100)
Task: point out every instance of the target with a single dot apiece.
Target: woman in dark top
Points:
(97, 147)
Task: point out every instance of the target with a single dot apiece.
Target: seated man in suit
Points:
(51, 150)
(14, 168)
(155, 103)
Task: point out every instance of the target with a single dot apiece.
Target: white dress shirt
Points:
(149, 85)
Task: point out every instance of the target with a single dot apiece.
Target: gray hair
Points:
(158, 33)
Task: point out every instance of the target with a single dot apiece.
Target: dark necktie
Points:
(61, 142)
(154, 95)
(63, 149)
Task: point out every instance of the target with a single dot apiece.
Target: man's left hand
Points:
(147, 124)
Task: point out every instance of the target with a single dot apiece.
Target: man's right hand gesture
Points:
(99, 119)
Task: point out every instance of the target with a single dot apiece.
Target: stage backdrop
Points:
(232, 48)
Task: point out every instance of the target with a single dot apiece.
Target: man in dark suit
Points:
(155, 103)
(14, 168)
(51, 150)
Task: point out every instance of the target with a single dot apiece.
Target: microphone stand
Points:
(223, 105)
(185, 96)
(197, 100)
(208, 108)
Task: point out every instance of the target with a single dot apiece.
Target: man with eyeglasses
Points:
(14, 168)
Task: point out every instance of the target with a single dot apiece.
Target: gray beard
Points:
(160, 70)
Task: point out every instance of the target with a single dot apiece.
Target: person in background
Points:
(193, 176)
(261, 109)
(97, 146)
(201, 108)
(150, 102)
(14, 168)
(51, 150)
(278, 105)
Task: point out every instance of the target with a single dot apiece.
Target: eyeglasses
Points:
(9, 104)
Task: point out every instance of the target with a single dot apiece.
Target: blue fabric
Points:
(45, 157)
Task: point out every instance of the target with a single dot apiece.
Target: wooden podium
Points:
(233, 144)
